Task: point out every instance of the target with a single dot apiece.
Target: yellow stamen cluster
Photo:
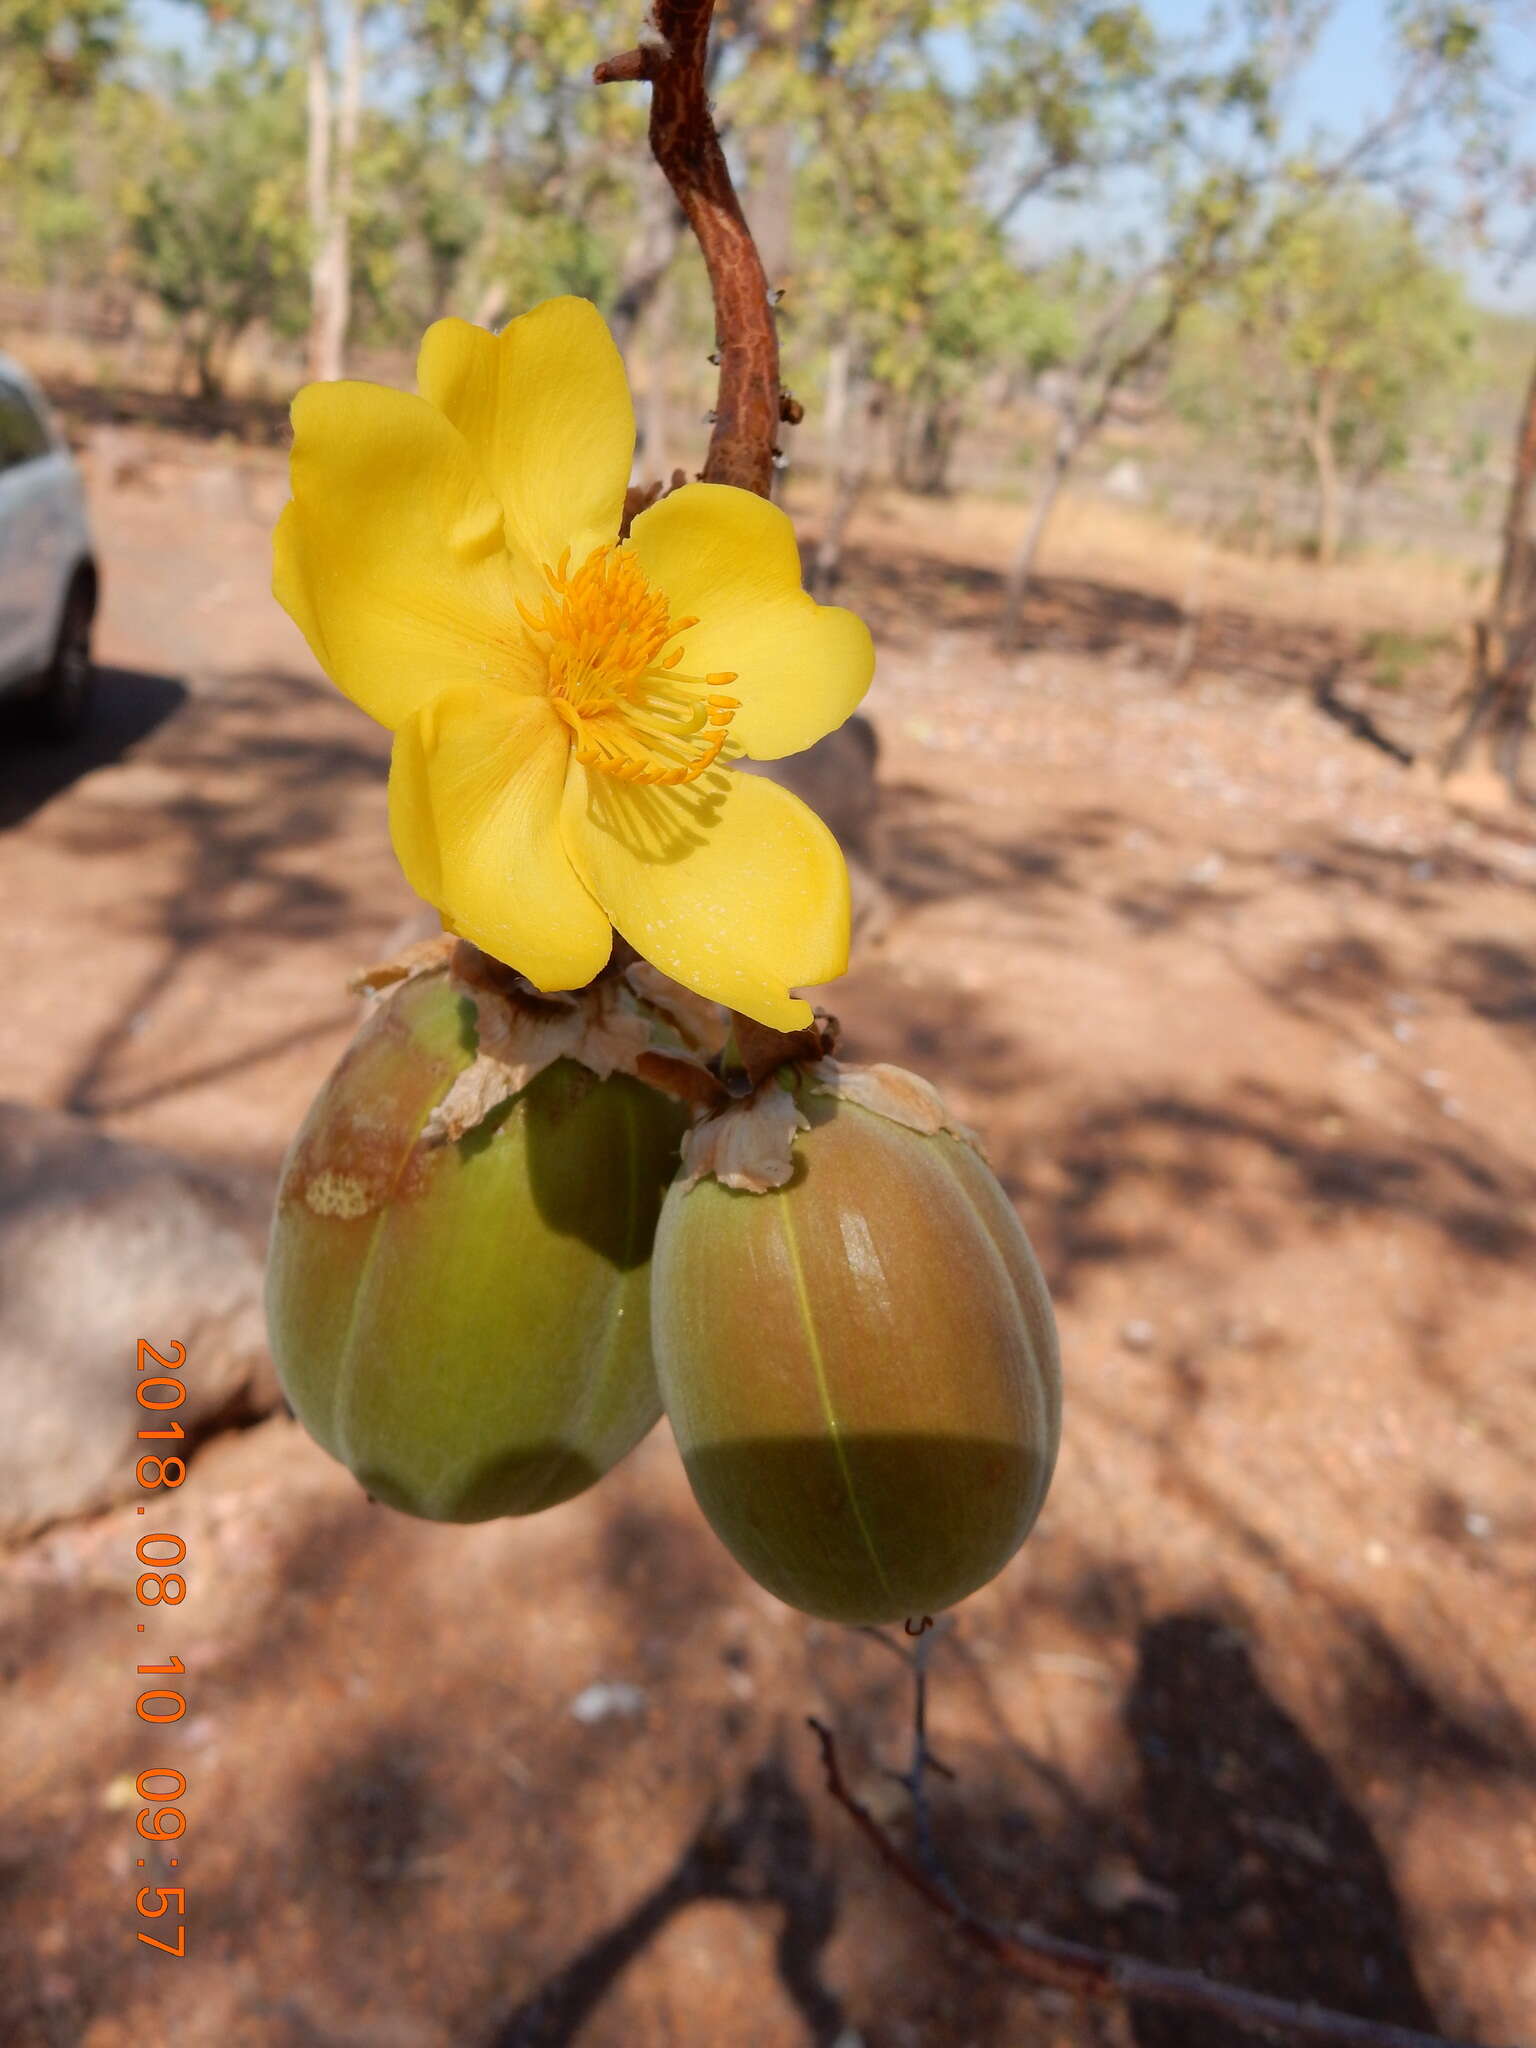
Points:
(632, 713)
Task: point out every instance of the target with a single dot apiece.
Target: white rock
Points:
(102, 1244)
(604, 1698)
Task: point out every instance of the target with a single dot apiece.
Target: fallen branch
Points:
(671, 55)
(1072, 1966)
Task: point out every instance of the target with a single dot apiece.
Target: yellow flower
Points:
(566, 706)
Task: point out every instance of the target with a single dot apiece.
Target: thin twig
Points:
(1085, 1972)
(915, 1777)
(671, 54)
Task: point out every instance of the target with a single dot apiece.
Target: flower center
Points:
(631, 710)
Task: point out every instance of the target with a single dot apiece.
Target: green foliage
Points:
(217, 230)
(907, 261)
(900, 145)
(1335, 351)
(56, 54)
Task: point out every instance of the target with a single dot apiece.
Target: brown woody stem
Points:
(1072, 1966)
(671, 55)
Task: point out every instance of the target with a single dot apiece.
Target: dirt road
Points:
(1246, 1018)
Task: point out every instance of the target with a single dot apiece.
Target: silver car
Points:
(48, 575)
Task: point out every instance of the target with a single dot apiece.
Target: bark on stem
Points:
(671, 56)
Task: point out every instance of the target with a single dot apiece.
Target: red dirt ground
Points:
(1246, 1017)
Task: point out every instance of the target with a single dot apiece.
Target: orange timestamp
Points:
(159, 1820)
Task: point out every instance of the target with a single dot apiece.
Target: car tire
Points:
(63, 704)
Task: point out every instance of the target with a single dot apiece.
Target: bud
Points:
(458, 1300)
(859, 1360)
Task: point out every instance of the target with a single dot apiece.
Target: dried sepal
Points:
(699, 1023)
(685, 1077)
(893, 1092)
(520, 1034)
(748, 1145)
(426, 956)
(631, 1020)
(764, 1051)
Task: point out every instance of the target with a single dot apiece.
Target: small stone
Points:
(1137, 1335)
(1115, 1884)
(604, 1699)
(1478, 1525)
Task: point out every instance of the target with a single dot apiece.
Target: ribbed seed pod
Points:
(465, 1323)
(860, 1368)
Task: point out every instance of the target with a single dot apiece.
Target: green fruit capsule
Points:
(465, 1323)
(860, 1367)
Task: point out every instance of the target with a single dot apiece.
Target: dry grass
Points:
(1104, 541)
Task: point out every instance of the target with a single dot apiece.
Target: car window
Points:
(23, 436)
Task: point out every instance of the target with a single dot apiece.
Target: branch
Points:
(1072, 1966)
(1027, 184)
(671, 54)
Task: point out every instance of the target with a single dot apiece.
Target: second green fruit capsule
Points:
(860, 1367)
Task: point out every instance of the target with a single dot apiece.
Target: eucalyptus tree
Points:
(1225, 179)
(1331, 352)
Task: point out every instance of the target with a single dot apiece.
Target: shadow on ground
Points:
(129, 706)
(261, 421)
(1237, 1851)
(906, 595)
(249, 833)
(762, 1853)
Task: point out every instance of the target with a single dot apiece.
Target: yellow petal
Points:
(730, 884)
(729, 559)
(391, 558)
(475, 790)
(545, 408)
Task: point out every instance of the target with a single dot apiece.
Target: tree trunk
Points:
(657, 237)
(1021, 572)
(205, 363)
(1328, 502)
(1192, 609)
(1498, 704)
(317, 182)
(331, 157)
(846, 458)
(332, 307)
(651, 456)
(928, 442)
(1315, 425)
(770, 198)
